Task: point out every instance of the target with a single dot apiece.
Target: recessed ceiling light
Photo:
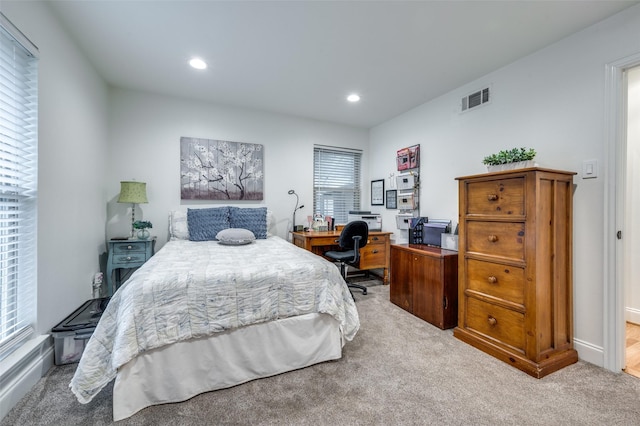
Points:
(353, 98)
(198, 63)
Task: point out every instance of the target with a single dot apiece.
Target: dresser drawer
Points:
(496, 197)
(496, 239)
(132, 247)
(494, 279)
(503, 325)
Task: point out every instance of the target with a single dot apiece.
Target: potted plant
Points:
(510, 159)
(141, 226)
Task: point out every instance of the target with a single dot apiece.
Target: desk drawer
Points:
(329, 240)
(133, 247)
(373, 256)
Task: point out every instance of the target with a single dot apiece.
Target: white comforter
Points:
(194, 289)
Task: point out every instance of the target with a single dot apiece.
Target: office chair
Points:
(353, 237)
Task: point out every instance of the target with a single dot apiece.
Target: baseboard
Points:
(22, 370)
(632, 315)
(589, 352)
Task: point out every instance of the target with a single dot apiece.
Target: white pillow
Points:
(178, 226)
(271, 224)
(235, 236)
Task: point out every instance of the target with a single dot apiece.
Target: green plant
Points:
(142, 224)
(509, 156)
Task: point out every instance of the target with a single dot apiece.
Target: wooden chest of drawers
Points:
(515, 267)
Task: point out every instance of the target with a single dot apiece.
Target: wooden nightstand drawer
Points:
(506, 240)
(504, 326)
(130, 247)
(497, 280)
(496, 197)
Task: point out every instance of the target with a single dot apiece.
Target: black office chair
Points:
(353, 237)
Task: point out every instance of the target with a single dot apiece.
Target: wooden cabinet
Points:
(375, 255)
(515, 267)
(424, 281)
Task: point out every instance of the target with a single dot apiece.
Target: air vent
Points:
(475, 99)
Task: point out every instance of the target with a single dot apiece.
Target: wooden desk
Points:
(375, 255)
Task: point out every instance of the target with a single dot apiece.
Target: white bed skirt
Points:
(183, 370)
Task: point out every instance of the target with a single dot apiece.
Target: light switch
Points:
(589, 169)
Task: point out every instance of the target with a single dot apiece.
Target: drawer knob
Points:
(129, 247)
(492, 321)
(492, 238)
(492, 197)
(128, 257)
(374, 251)
(336, 241)
(492, 279)
(375, 238)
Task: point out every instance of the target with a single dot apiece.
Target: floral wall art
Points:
(221, 170)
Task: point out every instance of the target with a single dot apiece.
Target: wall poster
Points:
(377, 192)
(220, 170)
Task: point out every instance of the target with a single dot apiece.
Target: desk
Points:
(375, 255)
(126, 254)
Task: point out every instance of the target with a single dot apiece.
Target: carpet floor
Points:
(398, 370)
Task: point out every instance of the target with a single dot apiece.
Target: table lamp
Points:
(134, 193)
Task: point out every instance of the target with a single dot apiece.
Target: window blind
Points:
(336, 181)
(18, 186)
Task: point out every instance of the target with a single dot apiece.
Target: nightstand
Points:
(126, 254)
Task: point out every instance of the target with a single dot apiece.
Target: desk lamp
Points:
(293, 225)
(134, 193)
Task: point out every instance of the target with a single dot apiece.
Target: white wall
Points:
(551, 101)
(145, 145)
(72, 151)
(632, 229)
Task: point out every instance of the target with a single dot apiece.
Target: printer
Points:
(374, 220)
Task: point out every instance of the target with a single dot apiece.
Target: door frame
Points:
(614, 212)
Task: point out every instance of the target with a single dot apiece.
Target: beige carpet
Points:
(399, 370)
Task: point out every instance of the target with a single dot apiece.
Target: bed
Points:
(208, 314)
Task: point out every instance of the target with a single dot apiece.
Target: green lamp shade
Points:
(133, 192)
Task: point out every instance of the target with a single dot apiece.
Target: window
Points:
(336, 181)
(18, 185)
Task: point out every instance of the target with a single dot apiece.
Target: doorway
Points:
(631, 242)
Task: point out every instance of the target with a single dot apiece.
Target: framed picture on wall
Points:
(392, 199)
(377, 192)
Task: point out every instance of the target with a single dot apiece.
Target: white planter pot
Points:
(512, 166)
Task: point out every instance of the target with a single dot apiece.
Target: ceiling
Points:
(303, 58)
